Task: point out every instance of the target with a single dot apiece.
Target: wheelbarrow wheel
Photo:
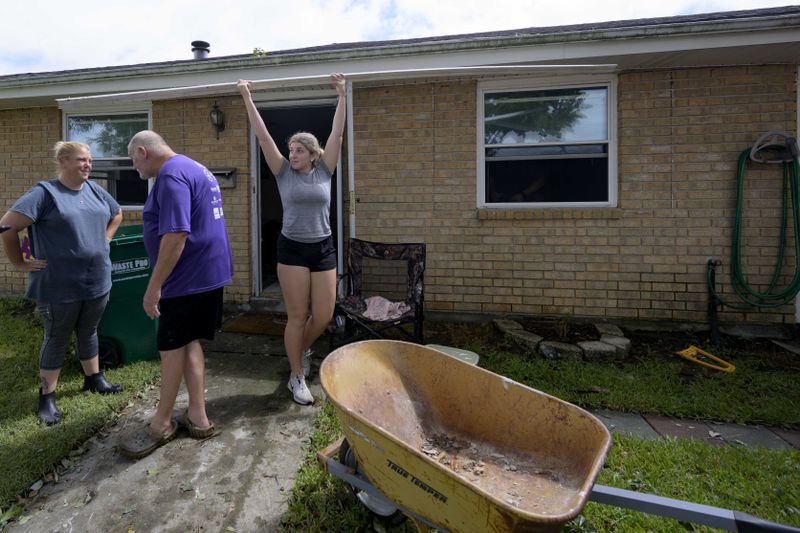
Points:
(388, 514)
(109, 355)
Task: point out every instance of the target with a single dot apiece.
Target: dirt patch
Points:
(768, 354)
(23, 309)
(461, 334)
(644, 343)
(764, 353)
(654, 341)
(561, 330)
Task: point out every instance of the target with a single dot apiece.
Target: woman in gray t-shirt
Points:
(306, 253)
(70, 222)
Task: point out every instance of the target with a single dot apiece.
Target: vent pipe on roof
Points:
(200, 49)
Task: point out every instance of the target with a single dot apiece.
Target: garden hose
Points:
(772, 297)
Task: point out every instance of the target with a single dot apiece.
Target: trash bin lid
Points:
(128, 235)
(465, 355)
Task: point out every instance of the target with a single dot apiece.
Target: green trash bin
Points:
(125, 332)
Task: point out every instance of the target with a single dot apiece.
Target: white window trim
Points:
(536, 84)
(112, 110)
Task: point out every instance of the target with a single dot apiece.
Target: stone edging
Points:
(611, 344)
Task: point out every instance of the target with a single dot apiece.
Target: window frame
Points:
(117, 110)
(608, 81)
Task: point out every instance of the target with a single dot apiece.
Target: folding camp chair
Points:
(382, 289)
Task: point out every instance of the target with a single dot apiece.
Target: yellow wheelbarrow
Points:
(451, 446)
(458, 447)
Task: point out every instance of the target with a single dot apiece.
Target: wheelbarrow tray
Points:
(462, 447)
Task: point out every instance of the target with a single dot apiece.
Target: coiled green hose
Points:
(771, 297)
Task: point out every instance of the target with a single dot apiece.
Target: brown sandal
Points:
(194, 431)
(145, 441)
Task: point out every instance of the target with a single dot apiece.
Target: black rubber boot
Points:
(97, 383)
(48, 412)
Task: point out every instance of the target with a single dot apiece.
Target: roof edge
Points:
(700, 24)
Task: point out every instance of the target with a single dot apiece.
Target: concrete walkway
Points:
(240, 479)
(718, 434)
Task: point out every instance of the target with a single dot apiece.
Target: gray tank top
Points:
(306, 200)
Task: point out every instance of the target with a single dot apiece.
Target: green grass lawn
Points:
(762, 390)
(29, 449)
(761, 482)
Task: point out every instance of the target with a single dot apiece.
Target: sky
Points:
(44, 36)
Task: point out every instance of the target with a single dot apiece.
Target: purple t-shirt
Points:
(186, 197)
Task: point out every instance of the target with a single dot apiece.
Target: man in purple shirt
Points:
(187, 242)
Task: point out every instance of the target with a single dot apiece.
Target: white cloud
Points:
(97, 33)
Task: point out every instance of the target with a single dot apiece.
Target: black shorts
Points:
(315, 256)
(188, 318)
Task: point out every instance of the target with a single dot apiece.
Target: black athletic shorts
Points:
(188, 318)
(316, 256)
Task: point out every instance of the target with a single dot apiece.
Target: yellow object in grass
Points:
(696, 355)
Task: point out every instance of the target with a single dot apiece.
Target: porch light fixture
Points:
(217, 118)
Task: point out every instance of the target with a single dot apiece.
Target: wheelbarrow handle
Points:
(750, 524)
(686, 511)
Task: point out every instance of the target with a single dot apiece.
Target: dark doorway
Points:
(282, 123)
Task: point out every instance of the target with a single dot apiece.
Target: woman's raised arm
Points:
(270, 150)
(331, 155)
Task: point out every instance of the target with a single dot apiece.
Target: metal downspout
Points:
(351, 173)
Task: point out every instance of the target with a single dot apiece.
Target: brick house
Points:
(585, 171)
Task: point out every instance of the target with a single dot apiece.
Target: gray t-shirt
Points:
(306, 200)
(69, 232)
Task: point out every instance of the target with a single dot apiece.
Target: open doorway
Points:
(282, 123)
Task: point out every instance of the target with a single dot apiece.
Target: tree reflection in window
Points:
(546, 147)
(107, 135)
(534, 117)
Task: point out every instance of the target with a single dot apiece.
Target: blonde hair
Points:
(310, 142)
(69, 149)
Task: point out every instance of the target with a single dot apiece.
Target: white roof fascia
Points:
(219, 89)
(625, 51)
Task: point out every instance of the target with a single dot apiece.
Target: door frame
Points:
(257, 285)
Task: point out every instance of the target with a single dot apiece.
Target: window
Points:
(108, 135)
(547, 147)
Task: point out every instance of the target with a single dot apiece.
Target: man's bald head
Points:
(148, 151)
(152, 141)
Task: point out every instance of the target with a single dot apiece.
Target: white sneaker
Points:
(300, 392)
(306, 360)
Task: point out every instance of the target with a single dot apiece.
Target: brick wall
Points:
(185, 126)
(680, 134)
(27, 137)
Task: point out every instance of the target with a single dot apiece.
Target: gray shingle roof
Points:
(644, 26)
